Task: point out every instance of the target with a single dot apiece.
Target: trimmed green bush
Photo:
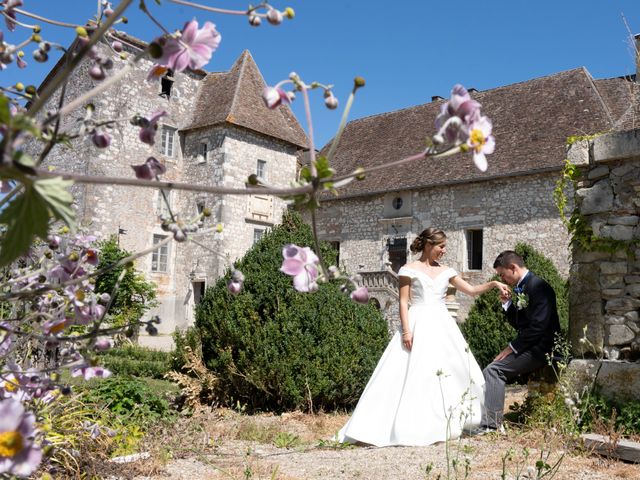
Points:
(486, 328)
(137, 361)
(277, 349)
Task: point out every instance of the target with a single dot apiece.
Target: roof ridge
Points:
(599, 97)
(243, 59)
(479, 92)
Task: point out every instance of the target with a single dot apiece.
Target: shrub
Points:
(187, 340)
(128, 397)
(486, 329)
(137, 361)
(273, 348)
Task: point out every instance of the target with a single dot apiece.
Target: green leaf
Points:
(56, 196)
(25, 217)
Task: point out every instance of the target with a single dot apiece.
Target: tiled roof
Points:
(236, 97)
(621, 97)
(531, 121)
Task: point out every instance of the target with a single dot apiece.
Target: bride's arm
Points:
(405, 288)
(474, 290)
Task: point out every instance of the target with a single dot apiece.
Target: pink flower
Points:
(481, 141)
(10, 14)
(456, 115)
(302, 264)
(20, 456)
(192, 49)
(90, 372)
(149, 169)
(148, 130)
(234, 286)
(360, 295)
(274, 97)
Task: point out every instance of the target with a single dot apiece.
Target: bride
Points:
(427, 387)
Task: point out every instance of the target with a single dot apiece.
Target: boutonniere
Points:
(520, 299)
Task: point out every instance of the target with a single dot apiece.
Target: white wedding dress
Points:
(426, 395)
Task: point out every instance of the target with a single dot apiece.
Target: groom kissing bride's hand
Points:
(533, 313)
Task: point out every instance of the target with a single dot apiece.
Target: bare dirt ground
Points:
(227, 445)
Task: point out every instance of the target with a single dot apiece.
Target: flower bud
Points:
(117, 46)
(289, 13)
(81, 32)
(331, 102)
(179, 235)
(358, 82)
(19, 86)
(40, 56)
(102, 345)
(234, 288)
(360, 173)
(155, 50)
(108, 12)
(254, 20)
(44, 46)
(274, 17)
(97, 72)
(100, 139)
(360, 295)
(37, 29)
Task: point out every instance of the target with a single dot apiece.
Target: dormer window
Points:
(396, 203)
(166, 83)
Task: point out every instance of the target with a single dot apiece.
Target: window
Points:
(162, 209)
(397, 248)
(257, 234)
(397, 203)
(203, 151)
(474, 249)
(168, 134)
(166, 83)
(160, 256)
(261, 169)
(198, 291)
(336, 246)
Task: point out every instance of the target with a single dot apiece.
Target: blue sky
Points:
(407, 50)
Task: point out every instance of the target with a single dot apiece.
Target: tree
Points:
(134, 294)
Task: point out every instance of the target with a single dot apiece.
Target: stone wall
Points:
(508, 210)
(605, 286)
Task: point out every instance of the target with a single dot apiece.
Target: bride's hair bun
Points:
(430, 236)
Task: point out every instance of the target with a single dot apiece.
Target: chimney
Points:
(636, 46)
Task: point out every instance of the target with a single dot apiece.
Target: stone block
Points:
(610, 268)
(624, 304)
(629, 220)
(614, 319)
(629, 279)
(584, 280)
(619, 381)
(578, 153)
(590, 257)
(599, 172)
(631, 316)
(610, 293)
(619, 335)
(597, 199)
(634, 290)
(616, 146)
(617, 232)
(608, 282)
(583, 374)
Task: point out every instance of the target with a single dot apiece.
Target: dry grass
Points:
(225, 444)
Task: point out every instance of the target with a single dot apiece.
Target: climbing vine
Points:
(581, 233)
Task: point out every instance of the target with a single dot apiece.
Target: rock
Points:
(597, 199)
(620, 334)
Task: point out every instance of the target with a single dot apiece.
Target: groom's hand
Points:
(503, 354)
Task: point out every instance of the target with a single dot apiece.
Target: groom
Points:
(532, 311)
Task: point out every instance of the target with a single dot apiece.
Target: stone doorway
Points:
(397, 249)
